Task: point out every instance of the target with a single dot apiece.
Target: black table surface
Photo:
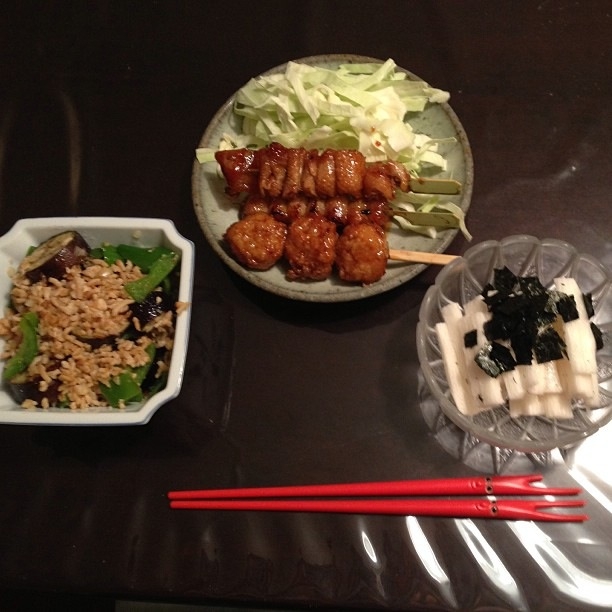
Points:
(102, 104)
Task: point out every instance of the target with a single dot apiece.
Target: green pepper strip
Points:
(127, 387)
(143, 257)
(28, 348)
(160, 269)
(107, 253)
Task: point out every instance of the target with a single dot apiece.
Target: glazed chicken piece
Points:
(240, 168)
(375, 210)
(310, 248)
(361, 253)
(257, 241)
(289, 210)
(382, 178)
(342, 210)
(254, 204)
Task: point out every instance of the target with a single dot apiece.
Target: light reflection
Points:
(585, 481)
(588, 465)
(493, 567)
(587, 541)
(376, 564)
(368, 547)
(73, 131)
(429, 561)
(559, 569)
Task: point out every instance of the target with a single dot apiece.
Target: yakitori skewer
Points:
(277, 171)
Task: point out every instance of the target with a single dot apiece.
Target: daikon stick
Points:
(454, 366)
(579, 339)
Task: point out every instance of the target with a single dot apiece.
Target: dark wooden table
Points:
(101, 107)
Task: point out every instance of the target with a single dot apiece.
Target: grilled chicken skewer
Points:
(311, 246)
(280, 172)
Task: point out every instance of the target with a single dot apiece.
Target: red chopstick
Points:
(287, 499)
(456, 508)
(471, 485)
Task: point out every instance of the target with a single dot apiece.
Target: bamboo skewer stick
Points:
(423, 257)
(435, 186)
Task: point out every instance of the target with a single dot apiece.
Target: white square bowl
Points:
(145, 232)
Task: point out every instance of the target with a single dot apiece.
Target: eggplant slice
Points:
(155, 304)
(22, 388)
(54, 256)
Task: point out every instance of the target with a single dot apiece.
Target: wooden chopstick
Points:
(333, 498)
(439, 259)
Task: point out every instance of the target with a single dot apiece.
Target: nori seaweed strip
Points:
(587, 298)
(532, 287)
(548, 346)
(514, 304)
(544, 318)
(494, 359)
(500, 326)
(522, 346)
(598, 335)
(539, 304)
(470, 338)
(492, 296)
(566, 307)
(504, 280)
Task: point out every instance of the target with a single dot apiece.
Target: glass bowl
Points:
(464, 279)
(145, 232)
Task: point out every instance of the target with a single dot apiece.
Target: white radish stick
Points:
(579, 339)
(557, 405)
(454, 318)
(454, 366)
(490, 389)
(528, 405)
(584, 387)
(513, 384)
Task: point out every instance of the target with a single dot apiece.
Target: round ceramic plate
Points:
(216, 211)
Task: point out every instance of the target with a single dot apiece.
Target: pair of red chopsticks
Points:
(347, 498)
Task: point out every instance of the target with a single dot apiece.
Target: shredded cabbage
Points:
(357, 106)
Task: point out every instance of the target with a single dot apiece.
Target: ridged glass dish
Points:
(464, 279)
